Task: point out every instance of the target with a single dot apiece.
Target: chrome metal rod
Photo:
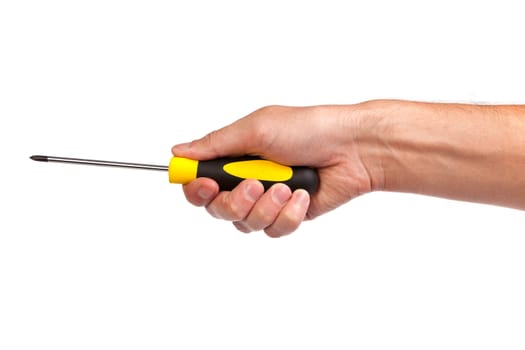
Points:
(40, 158)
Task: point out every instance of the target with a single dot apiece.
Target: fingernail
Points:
(204, 193)
(280, 194)
(302, 198)
(251, 193)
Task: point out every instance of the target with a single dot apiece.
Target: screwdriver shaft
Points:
(39, 158)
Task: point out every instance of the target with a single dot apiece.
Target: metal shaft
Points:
(99, 162)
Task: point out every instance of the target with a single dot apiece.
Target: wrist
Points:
(400, 141)
(371, 121)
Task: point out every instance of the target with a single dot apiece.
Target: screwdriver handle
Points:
(230, 171)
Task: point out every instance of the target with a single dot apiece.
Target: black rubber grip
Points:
(301, 177)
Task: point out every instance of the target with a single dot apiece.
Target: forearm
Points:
(459, 151)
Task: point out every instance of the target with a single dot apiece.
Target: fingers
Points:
(277, 218)
(201, 191)
(236, 204)
(277, 211)
(266, 210)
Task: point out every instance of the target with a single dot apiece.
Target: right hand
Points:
(322, 137)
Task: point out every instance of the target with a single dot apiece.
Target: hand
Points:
(457, 151)
(323, 137)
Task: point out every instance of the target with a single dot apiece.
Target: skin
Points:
(460, 151)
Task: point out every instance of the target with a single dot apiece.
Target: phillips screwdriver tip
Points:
(39, 158)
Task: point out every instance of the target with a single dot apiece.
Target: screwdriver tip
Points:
(39, 158)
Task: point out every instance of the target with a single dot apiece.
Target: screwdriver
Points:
(228, 172)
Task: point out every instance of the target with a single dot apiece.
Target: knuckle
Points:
(269, 109)
(236, 212)
(234, 209)
(263, 130)
(213, 211)
(211, 140)
(265, 217)
(291, 218)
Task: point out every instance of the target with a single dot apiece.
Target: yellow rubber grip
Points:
(260, 169)
(182, 170)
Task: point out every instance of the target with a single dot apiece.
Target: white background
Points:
(94, 258)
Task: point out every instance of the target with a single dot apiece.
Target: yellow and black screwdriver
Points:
(228, 172)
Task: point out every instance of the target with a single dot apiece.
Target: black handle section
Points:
(302, 177)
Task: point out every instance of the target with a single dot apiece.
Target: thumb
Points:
(235, 139)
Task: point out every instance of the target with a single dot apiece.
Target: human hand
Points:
(323, 137)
